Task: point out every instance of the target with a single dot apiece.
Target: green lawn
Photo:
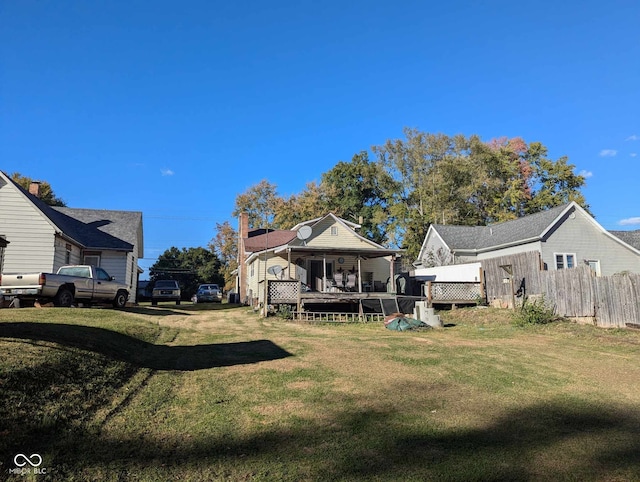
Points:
(212, 392)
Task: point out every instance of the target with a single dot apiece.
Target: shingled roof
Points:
(91, 228)
(508, 232)
(632, 238)
(104, 229)
(272, 239)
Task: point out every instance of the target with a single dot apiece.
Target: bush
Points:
(536, 312)
(285, 312)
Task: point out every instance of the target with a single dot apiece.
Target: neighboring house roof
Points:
(90, 228)
(99, 228)
(509, 232)
(531, 228)
(632, 238)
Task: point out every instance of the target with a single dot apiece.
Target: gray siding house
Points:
(565, 236)
(42, 238)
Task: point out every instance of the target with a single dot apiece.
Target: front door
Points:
(316, 274)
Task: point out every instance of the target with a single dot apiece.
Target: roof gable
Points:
(334, 232)
(104, 229)
(526, 228)
(89, 228)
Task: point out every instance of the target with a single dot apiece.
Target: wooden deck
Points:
(343, 296)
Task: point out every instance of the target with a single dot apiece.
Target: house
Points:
(326, 254)
(43, 238)
(564, 236)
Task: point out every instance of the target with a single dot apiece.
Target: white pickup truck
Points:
(82, 283)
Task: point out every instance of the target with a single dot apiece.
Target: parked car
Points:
(84, 283)
(208, 293)
(165, 290)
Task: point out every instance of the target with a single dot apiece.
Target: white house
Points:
(327, 254)
(42, 238)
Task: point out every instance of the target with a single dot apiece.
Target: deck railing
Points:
(324, 317)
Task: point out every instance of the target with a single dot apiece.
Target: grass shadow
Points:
(518, 446)
(144, 354)
(186, 308)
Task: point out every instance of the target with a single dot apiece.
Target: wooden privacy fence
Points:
(617, 300)
(613, 301)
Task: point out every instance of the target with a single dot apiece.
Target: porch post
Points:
(359, 276)
(289, 264)
(392, 273)
(324, 272)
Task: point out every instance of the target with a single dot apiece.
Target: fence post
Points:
(483, 292)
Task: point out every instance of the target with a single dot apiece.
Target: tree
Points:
(190, 267)
(225, 245)
(46, 193)
(259, 202)
(359, 191)
(463, 180)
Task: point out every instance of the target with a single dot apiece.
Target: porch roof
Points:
(336, 251)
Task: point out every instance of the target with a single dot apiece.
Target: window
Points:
(93, 259)
(67, 256)
(334, 230)
(594, 265)
(565, 260)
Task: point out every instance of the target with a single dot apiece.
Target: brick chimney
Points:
(243, 232)
(34, 188)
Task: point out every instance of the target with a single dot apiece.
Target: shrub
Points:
(285, 312)
(536, 312)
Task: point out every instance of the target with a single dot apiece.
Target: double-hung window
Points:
(565, 260)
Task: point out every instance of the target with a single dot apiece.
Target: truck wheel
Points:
(64, 298)
(120, 301)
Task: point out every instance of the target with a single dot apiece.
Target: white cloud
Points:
(633, 154)
(633, 138)
(585, 174)
(608, 152)
(167, 172)
(629, 221)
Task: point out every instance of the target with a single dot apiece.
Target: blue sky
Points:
(174, 108)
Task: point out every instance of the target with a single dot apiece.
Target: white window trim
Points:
(597, 263)
(564, 260)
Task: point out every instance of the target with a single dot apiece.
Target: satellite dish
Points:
(304, 233)
(275, 270)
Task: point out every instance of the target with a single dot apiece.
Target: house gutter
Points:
(492, 248)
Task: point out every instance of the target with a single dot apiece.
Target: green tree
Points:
(311, 203)
(463, 180)
(225, 246)
(360, 191)
(189, 267)
(46, 193)
(260, 202)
